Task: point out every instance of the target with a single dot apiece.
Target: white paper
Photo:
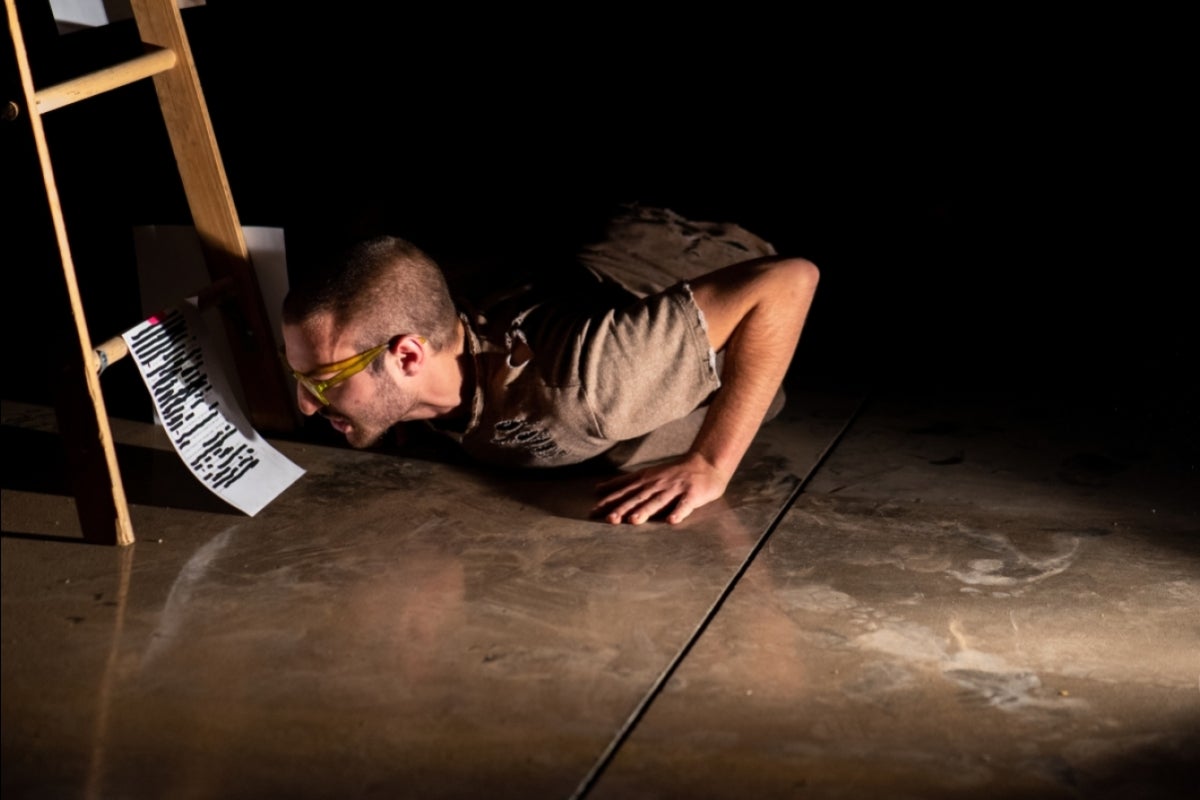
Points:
(207, 429)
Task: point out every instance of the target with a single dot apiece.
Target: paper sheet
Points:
(208, 431)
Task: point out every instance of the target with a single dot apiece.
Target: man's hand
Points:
(679, 487)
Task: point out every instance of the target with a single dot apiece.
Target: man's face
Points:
(364, 406)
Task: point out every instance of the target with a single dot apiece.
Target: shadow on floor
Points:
(34, 462)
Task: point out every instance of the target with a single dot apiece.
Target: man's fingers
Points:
(684, 506)
(621, 489)
(630, 506)
(618, 481)
(635, 502)
(640, 509)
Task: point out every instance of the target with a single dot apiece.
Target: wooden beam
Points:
(105, 80)
(271, 406)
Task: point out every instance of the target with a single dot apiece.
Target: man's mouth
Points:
(339, 423)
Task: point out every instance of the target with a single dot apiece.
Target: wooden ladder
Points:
(83, 421)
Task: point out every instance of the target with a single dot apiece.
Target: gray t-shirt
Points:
(559, 387)
(563, 377)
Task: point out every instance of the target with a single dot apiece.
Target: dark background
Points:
(995, 203)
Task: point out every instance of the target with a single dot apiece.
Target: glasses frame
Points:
(342, 370)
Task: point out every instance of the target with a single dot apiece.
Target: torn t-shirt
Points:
(563, 377)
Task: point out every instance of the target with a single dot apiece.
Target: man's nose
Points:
(308, 404)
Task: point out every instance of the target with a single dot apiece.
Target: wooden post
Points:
(82, 417)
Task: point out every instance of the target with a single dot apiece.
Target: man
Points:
(561, 375)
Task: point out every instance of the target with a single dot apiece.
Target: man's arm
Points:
(755, 311)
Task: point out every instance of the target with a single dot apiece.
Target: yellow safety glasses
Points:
(342, 370)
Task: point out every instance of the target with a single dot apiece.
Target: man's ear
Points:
(411, 352)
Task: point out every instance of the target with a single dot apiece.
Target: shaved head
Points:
(383, 287)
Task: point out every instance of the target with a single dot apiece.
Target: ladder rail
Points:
(96, 477)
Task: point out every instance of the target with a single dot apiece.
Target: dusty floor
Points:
(918, 596)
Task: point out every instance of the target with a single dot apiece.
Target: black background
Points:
(995, 202)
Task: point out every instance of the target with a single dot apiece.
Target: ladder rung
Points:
(104, 80)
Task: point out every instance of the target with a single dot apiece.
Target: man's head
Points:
(386, 301)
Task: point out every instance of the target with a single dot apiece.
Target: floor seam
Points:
(589, 781)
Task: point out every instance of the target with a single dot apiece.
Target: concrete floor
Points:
(967, 596)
